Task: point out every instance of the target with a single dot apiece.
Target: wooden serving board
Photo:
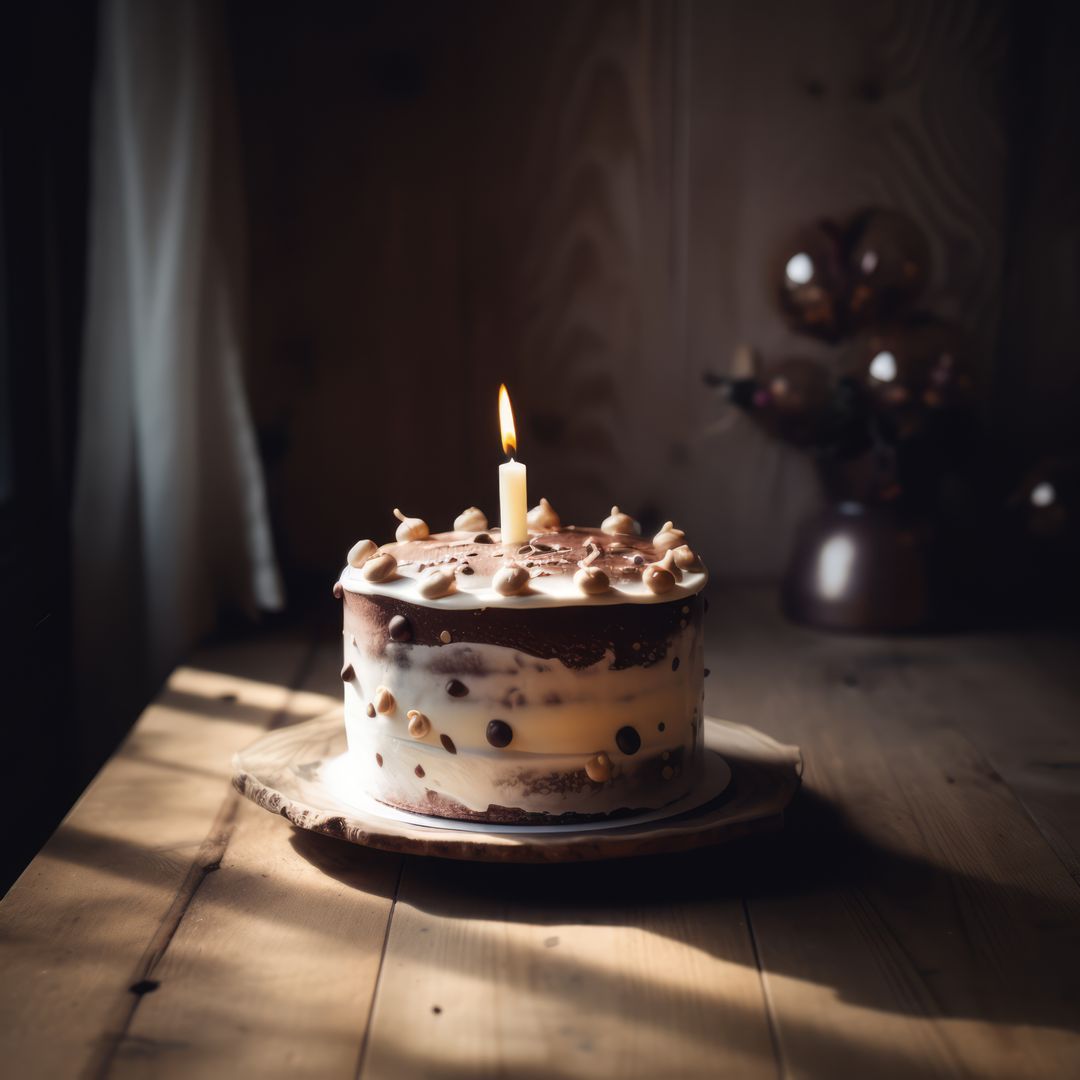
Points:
(285, 772)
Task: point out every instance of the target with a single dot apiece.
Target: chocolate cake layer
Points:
(575, 636)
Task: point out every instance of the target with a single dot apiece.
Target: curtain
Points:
(169, 518)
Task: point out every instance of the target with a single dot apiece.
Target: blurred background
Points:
(803, 277)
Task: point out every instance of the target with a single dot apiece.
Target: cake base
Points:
(450, 810)
(291, 772)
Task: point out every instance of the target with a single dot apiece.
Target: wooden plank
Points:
(569, 248)
(566, 971)
(357, 269)
(913, 920)
(91, 914)
(273, 969)
(1017, 700)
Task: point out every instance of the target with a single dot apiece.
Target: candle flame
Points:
(506, 421)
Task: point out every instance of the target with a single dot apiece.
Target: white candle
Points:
(513, 503)
(513, 497)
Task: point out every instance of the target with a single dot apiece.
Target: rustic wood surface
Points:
(918, 915)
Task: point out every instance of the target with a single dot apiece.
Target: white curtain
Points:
(169, 518)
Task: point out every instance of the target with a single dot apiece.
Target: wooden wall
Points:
(583, 198)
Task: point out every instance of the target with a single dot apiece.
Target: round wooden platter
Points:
(285, 772)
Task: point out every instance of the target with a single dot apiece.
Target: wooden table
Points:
(920, 915)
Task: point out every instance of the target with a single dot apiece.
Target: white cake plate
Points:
(298, 772)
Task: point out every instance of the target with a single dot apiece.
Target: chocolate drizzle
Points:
(577, 636)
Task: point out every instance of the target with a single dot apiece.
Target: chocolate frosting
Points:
(577, 636)
(621, 557)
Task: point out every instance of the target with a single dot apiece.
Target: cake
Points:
(558, 680)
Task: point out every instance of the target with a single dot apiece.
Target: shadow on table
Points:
(823, 902)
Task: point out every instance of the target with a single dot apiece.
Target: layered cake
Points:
(556, 680)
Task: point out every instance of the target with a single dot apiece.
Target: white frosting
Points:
(557, 590)
(593, 702)
(549, 737)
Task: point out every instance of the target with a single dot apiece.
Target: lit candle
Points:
(513, 499)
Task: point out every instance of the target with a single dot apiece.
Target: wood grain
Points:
(93, 913)
(917, 916)
(565, 971)
(584, 199)
(274, 965)
(921, 923)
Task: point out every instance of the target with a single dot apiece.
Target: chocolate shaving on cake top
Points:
(564, 565)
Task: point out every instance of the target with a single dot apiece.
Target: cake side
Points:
(555, 680)
(582, 712)
(550, 562)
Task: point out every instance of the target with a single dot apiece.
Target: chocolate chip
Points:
(378, 758)
(482, 538)
(371, 710)
(675, 664)
(419, 770)
(347, 673)
(338, 590)
(467, 569)
(456, 688)
(499, 733)
(448, 744)
(399, 629)
(661, 726)
(628, 740)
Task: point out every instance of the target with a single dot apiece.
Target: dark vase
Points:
(862, 567)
